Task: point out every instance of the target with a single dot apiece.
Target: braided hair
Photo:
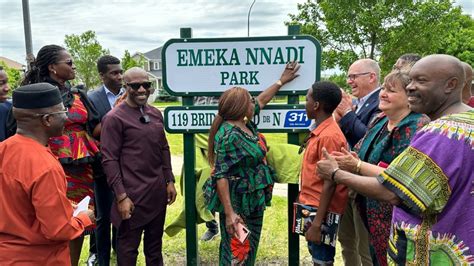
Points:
(47, 55)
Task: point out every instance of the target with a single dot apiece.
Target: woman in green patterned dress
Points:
(241, 183)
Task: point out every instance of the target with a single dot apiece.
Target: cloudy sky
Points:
(137, 25)
(141, 25)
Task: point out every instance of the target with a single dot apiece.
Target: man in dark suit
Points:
(363, 77)
(355, 115)
(103, 99)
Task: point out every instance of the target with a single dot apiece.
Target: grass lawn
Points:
(175, 141)
(165, 104)
(273, 247)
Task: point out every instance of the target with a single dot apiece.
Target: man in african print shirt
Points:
(431, 182)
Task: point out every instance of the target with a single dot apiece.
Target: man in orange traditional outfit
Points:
(37, 219)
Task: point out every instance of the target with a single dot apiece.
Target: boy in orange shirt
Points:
(321, 100)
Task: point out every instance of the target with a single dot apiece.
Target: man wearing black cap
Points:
(137, 163)
(37, 219)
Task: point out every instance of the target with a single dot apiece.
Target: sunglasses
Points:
(68, 62)
(137, 85)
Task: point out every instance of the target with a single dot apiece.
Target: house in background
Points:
(153, 66)
(12, 64)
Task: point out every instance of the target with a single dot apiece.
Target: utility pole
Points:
(248, 19)
(28, 38)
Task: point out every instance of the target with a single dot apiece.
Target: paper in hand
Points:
(82, 206)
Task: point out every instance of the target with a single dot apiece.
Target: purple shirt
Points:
(136, 161)
(434, 178)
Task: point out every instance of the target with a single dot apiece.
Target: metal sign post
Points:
(189, 182)
(208, 67)
(293, 189)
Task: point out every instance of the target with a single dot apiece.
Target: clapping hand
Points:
(345, 105)
(327, 165)
(346, 160)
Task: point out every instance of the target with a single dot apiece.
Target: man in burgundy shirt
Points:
(137, 163)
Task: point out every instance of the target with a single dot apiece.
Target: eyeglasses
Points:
(53, 113)
(137, 85)
(67, 62)
(354, 76)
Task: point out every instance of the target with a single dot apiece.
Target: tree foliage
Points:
(128, 61)
(340, 79)
(85, 50)
(14, 76)
(385, 29)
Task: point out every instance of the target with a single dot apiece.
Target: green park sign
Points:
(273, 118)
(207, 67)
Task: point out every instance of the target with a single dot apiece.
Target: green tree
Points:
(85, 50)
(128, 61)
(340, 79)
(460, 43)
(14, 76)
(383, 29)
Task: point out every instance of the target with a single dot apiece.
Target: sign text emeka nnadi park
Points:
(211, 66)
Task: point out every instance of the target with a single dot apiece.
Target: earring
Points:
(246, 120)
(54, 72)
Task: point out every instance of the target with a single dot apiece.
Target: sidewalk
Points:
(177, 164)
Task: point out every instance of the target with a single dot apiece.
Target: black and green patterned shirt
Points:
(241, 159)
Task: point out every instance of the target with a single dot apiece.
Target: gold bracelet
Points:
(359, 164)
(279, 83)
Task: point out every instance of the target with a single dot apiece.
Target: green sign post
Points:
(207, 67)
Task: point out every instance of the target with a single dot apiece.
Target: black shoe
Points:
(209, 235)
(92, 260)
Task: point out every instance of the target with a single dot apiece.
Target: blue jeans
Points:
(103, 201)
(322, 253)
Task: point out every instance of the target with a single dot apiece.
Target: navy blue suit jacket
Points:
(100, 101)
(354, 126)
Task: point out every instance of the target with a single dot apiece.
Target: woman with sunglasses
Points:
(241, 183)
(76, 149)
(387, 136)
